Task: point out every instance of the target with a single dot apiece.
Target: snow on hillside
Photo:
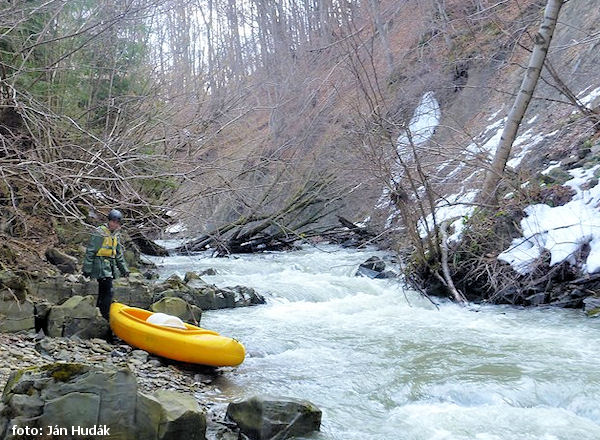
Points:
(562, 230)
(421, 128)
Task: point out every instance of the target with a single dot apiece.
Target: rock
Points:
(151, 275)
(590, 184)
(57, 289)
(134, 292)
(591, 306)
(206, 296)
(245, 296)
(175, 282)
(198, 283)
(65, 263)
(374, 263)
(270, 418)
(171, 415)
(555, 176)
(15, 314)
(44, 346)
(140, 354)
(13, 283)
(536, 299)
(209, 271)
(73, 394)
(386, 274)
(189, 276)
(374, 267)
(178, 307)
(569, 162)
(78, 316)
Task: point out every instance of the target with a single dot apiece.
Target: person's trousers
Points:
(105, 296)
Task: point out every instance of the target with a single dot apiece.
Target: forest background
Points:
(257, 123)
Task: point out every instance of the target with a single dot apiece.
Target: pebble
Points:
(25, 350)
(140, 355)
(152, 373)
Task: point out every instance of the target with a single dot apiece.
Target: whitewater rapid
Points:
(382, 362)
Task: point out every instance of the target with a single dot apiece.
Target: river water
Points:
(382, 362)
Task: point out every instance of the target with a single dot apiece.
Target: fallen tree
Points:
(299, 218)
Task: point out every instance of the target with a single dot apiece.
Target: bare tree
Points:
(515, 116)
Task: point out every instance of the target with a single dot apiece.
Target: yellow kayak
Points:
(192, 344)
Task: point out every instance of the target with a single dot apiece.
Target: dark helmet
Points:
(115, 215)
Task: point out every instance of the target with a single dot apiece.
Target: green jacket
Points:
(104, 266)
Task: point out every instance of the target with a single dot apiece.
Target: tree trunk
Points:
(517, 112)
(383, 37)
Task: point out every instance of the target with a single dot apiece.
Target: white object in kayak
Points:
(166, 320)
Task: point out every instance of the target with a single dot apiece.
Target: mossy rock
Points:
(556, 175)
(64, 372)
(189, 276)
(175, 282)
(593, 312)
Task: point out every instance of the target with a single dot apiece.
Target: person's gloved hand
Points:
(87, 274)
(126, 274)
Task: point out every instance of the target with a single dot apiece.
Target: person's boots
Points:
(110, 337)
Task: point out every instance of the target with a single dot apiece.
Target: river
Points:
(382, 362)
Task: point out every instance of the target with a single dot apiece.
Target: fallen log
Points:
(147, 246)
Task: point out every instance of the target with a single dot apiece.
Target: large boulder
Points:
(65, 395)
(15, 314)
(178, 307)
(274, 418)
(69, 394)
(133, 291)
(65, 263)
(169, 415)
(78, 316)
(57, 289)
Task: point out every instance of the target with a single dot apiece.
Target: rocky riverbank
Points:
(64, 305)
(49, 326)
(26, 350)
(71, 383)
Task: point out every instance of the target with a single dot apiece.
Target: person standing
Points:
(104, 260)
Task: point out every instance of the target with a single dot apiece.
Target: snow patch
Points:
(493, 116)
(453, 206)
(176, 228)
(364, 223)
(491, 144)
(421, 128)
(562, 230)
(97, 194)
(527, 140)
(552, 166)
(590, 97)
(425, 120)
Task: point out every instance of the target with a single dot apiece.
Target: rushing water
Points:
(384, 363)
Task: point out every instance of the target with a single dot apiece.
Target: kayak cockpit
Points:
(141, 316)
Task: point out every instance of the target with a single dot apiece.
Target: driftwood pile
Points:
(236, 237)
